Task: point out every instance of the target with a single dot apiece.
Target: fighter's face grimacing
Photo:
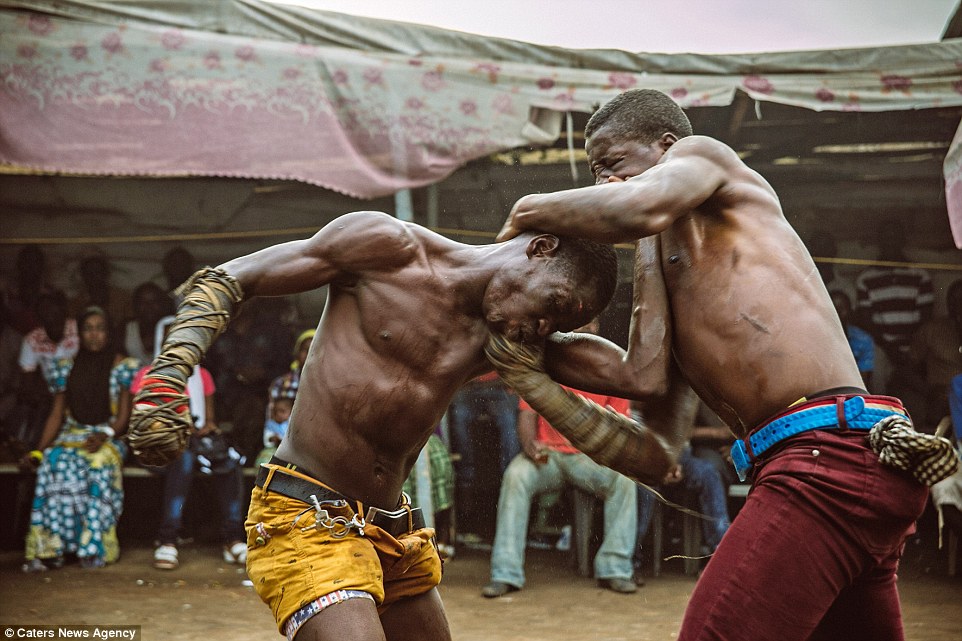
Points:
(536, 294)
(531, 308)
(613, 159)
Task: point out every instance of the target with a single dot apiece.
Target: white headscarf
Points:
(195, 384)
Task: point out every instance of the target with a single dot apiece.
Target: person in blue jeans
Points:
(208, 454)
(547, 463)
(703, 477)
(482, 395)
(227, 480)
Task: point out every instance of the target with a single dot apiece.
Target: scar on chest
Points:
(754, 323)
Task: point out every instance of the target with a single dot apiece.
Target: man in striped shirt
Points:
(894, 301)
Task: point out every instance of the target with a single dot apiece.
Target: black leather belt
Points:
(294, 487)
(395, 523)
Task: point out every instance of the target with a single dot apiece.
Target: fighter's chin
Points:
(512, 331)
(525, 336)
(513, 334)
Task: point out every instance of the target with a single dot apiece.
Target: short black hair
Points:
(53, 297)
(592, 263)
(640, 114)
(147, 287)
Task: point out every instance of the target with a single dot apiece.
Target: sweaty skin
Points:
(752, 326)
(404, 326)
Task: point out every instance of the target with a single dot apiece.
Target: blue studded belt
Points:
(855, 412)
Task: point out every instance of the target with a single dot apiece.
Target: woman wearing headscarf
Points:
(79, 494)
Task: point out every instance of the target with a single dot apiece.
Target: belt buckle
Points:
(741, 459)
(392, 516)
(374, 512)
(338, 526)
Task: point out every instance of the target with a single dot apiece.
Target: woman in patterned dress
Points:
(79, 494)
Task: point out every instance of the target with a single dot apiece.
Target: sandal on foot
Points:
(165, 557)
(32, 566)
(235, 552)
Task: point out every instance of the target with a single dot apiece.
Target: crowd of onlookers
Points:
(70, 368)
(70, 365)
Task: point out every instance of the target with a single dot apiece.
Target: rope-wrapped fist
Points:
(609, 438)
(160, 424)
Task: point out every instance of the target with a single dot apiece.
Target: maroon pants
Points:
(814, 551)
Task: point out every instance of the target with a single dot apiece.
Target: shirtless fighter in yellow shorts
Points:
(334, 549)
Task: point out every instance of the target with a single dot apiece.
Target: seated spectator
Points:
(711, 441)
(483, 396)
(97, 290)
(695, 474)
(275, 429)
(207, 453)
(893, 303)
(18, 316)
(691, 473)
(79, 494)
(56, 339)
(151, 304)
(863, 347)
(245, 360)
(178, 266)
(21, 296)
(441, 473)
(282, 392)
(547, 462)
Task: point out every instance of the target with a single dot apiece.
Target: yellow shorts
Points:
(291, 562)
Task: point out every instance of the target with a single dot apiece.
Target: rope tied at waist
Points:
(928, 458)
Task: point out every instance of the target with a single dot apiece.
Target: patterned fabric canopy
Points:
(271, 93)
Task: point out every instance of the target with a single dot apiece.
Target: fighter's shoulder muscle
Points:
(735, 179)
(365, 240)
(706, 148)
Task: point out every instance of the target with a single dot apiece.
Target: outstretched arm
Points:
(642, 452)
(687, 175)
(593, 364)
(344, 248)
(348, 245)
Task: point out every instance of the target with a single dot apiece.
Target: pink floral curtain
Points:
(142, 99)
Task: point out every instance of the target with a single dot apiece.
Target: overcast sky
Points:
(673, 26)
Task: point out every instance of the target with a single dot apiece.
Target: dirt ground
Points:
(207, 599)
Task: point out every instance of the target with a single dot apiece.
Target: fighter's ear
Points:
(542, 246)
(667, 140)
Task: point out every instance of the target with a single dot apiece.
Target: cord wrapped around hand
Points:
(160, 423)
(609, 438)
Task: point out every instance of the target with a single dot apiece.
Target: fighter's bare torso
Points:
(747, 301)
(392, 347)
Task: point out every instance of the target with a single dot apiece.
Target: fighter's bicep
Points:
(676, 187)
(288, 268)
(345, 247)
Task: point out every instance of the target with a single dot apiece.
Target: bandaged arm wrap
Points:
(609, 438)
(160, 424)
